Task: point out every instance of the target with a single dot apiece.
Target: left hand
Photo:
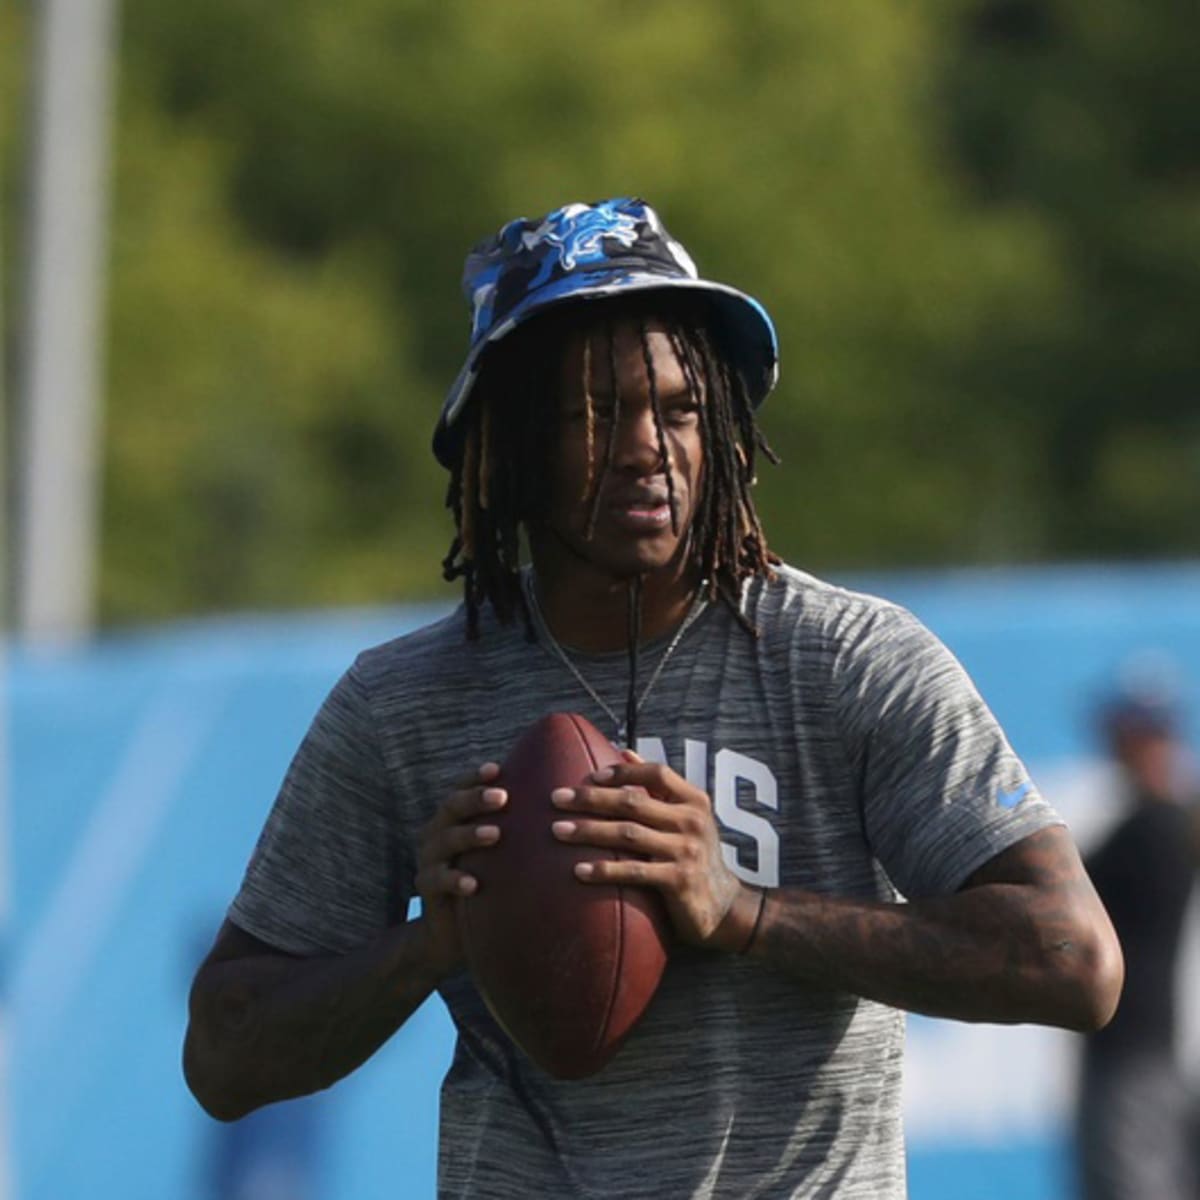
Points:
(667, 826)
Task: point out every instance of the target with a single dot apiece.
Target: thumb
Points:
(632, 756)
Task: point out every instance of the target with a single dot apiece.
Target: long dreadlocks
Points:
(499, 481)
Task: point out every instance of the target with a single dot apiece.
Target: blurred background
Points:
(232, 240)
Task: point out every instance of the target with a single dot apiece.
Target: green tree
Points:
(973, 222)
(1088, 118)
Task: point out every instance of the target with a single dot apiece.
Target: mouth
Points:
(644, 520)
(641, 511)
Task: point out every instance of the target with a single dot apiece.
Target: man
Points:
(1135, 1116)
(804, 753)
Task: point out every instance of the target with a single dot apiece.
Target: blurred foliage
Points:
(976, 223)
(1090, 118)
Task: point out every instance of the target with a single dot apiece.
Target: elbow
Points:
(213, 1063)
(1107, 979)
(1091, 988)
(204, 1082)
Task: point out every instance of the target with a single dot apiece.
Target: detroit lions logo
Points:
(577, 230)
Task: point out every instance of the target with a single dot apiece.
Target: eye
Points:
(576, 414)
(681, 412)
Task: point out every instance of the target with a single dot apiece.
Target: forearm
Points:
(271, 1027)
(997, 952)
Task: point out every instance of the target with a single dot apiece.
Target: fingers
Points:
(471, 798)
(436, 872)
(473, 780)
(625, 837)
(655, 778)
(457, 839)
(441, 879)
(634, 804)
(482, 774)
(630, 872)
(663, 835)
(455, 829)
(661, 841)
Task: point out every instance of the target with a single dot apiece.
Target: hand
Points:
(448, 834)
(649, 812)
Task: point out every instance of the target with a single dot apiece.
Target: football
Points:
(567, 968)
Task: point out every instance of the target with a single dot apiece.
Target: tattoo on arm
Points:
(1025, 940)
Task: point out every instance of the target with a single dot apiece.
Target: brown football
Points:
(566, 967)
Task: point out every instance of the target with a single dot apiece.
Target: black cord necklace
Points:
(625, 731)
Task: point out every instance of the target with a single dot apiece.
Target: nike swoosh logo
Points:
(1013, 798)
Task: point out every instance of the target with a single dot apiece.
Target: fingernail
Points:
(563, 828)
(603, 774)
(562, 795)
(494, 797)
(584, 870)
(467, 885)
(487, 833)
(489, 770)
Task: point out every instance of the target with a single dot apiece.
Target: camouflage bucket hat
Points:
(593, 252)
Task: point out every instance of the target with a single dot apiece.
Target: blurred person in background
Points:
(1137, 1121)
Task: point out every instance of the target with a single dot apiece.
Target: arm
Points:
(265, 1026)
(1026, 939)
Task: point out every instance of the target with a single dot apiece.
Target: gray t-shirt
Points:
(846, 752)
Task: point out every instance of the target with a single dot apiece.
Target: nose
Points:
(637, 449)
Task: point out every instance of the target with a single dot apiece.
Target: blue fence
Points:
(143, 766)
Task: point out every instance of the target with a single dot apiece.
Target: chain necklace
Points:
(698, 606)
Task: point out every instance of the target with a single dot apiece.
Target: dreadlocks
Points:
(499, 481)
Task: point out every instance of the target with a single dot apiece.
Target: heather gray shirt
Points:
(846, 752)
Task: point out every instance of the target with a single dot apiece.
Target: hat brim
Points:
(749, 335)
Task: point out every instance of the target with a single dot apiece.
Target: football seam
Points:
(614, 982)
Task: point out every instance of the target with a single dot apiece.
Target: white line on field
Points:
(61, 946)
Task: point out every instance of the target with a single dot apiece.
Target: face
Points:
(1150, 757)
(633, 531)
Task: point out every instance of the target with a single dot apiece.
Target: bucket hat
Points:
(593, 252)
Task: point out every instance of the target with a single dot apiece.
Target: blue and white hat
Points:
(593, 251)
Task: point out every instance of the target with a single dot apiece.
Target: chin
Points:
(627, 557)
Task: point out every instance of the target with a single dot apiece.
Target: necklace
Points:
(698, 606)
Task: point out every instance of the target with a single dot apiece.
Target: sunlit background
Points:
(233, 234)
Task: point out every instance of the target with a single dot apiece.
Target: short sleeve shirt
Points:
(846, 752)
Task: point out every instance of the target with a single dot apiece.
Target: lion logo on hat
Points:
(576, 231)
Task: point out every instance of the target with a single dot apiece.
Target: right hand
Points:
(448, 834)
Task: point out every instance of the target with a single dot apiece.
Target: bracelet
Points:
(762, 903)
